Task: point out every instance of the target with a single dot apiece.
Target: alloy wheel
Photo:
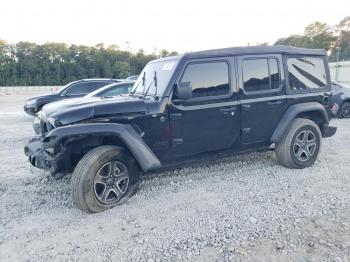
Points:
(111, 182)
(304, 146)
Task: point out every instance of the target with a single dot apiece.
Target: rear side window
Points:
(306, 73)
(84, 87)
(260, 74)
(207, 79)
(96, 85)
(78, 89)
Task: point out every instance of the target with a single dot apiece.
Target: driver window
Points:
(207, 79)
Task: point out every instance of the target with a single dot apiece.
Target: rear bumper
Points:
(328, 131)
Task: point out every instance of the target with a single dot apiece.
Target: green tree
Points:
(107, 70)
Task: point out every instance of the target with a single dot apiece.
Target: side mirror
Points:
(184, 90)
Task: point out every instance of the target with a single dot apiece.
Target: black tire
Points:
(300, 145)
(344, 110)
(95, 185)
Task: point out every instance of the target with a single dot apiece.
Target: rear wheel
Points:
(300, 145)
(344, 110)
(105, 177)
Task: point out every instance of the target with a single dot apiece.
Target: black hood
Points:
(78, 109)
(46, 98)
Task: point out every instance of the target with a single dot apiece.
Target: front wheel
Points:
(105, 177)
(300, 145)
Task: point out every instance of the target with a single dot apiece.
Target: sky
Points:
(175, 25)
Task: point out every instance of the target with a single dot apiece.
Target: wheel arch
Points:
(76, 140)
(311, 110)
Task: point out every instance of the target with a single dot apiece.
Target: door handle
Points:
(228, 109)
(271, 103)
(246, 106)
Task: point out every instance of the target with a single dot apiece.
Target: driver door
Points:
(209, 120)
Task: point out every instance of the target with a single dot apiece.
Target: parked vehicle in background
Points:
(74, 89)
(112, 90)
(88, 100)
(340, 100)
(196, 106)
(340, 72)
(132, 78)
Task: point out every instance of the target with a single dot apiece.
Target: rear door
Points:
(262, 95)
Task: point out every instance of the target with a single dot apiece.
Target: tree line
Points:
(27, 63)
(336, 39)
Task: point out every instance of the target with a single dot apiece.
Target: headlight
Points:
(36, 124)
(54, 122)
(31, 102)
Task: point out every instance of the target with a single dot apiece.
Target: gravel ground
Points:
(242, 208)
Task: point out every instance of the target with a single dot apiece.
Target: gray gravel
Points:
(242, 208)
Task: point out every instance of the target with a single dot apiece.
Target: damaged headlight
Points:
(36, 124)
(54, 122)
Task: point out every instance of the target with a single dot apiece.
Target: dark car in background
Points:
(108, 91)
(340, 100)
(111, 90)
(74, 89)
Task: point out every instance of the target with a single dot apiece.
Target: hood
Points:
(78, 109)
(45, 98)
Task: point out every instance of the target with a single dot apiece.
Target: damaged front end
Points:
(42, 151)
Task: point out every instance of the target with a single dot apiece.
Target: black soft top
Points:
(248, 50)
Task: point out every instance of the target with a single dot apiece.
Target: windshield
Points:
(155, 77)
(98, 91)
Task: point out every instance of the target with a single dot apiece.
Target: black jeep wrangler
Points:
(194, 106)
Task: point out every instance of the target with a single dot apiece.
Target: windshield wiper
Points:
(143, 83)
(155, 81)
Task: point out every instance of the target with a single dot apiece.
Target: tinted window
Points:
(116, 90)
(207, 79)
(84, 87)
(79, 88)
(306, 72)
(260, 74)
(96, 85)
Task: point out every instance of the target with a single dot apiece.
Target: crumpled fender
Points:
(138, 148)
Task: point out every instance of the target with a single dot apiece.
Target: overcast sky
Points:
(180, 25)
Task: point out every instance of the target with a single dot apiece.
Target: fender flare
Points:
(291, 114)
(138, 148)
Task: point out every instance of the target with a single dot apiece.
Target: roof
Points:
(99, 79)
(248, 50)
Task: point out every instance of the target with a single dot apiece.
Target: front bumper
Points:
(36, 154)
(39, 158)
